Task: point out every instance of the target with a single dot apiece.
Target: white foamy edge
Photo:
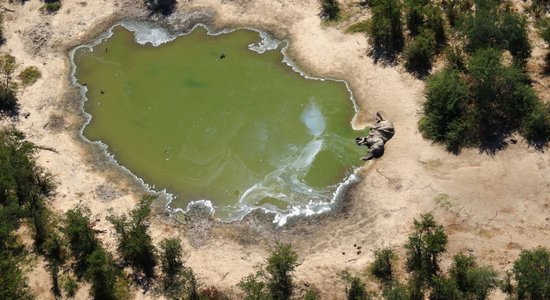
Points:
(144, 33)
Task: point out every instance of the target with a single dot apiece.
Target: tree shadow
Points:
(386, 58)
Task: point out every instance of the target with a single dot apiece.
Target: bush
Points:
(419, 53)
(70, 286)
(444, 289)
(29, 76)
(275, 282)
(8, 93)
(81, 237)
(482, 104)
(472, 281)
(355, 288)
(51, 6)
(455, 10)
(497, 28)
(385, 26)
(536, 126)
(330, 9)
(454, 56)
(362, 26)
(382, 267)
(280, 264)
(395, 291)
(445, 108)
(414, 15)
(102, 275)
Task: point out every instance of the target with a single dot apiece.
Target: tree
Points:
(254, 286)
(385, 28)
(424, 247)
(164, 7)
(8, 93)
(171, 259)
(81, 237)
(536, 126)
(102, 275)
(330, 9)
(355, 288)
(382, 267)
(135, 245)
(275, 281)
(280, 264)
(532, 274)
(13, 283)
(177, 279)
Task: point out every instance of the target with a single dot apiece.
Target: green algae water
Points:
(240, 132)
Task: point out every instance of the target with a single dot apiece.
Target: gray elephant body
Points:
(380, 133)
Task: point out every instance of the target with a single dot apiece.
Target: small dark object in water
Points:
(358, 252)
(102, 92)
(358, 247)
(354, 245)
(222, 56)
(343, 253)
(106, 49)
(85, 84)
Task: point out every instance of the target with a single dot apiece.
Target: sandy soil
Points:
(492, 205)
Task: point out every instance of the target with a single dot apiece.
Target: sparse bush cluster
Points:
(29, 75)
(330, 9)
(480, 97)
(51, 6)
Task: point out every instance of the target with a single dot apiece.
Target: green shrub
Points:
(447, 96)
(29, 76)
(330, 9)
(536, 126)
(355, 288)
(385, 28)
(420, 52)
(135, 244)
(414, 15)
(70, 286)
(495, 27)
(362, 26)
(473, 282)
(456, 10)
(455, 58)
(275, 281)
(395, 291)
(51, 6)
(444, 289)
(8, 92)
(382, 268)
(532, 273)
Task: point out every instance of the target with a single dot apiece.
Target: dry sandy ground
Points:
(491, 205)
